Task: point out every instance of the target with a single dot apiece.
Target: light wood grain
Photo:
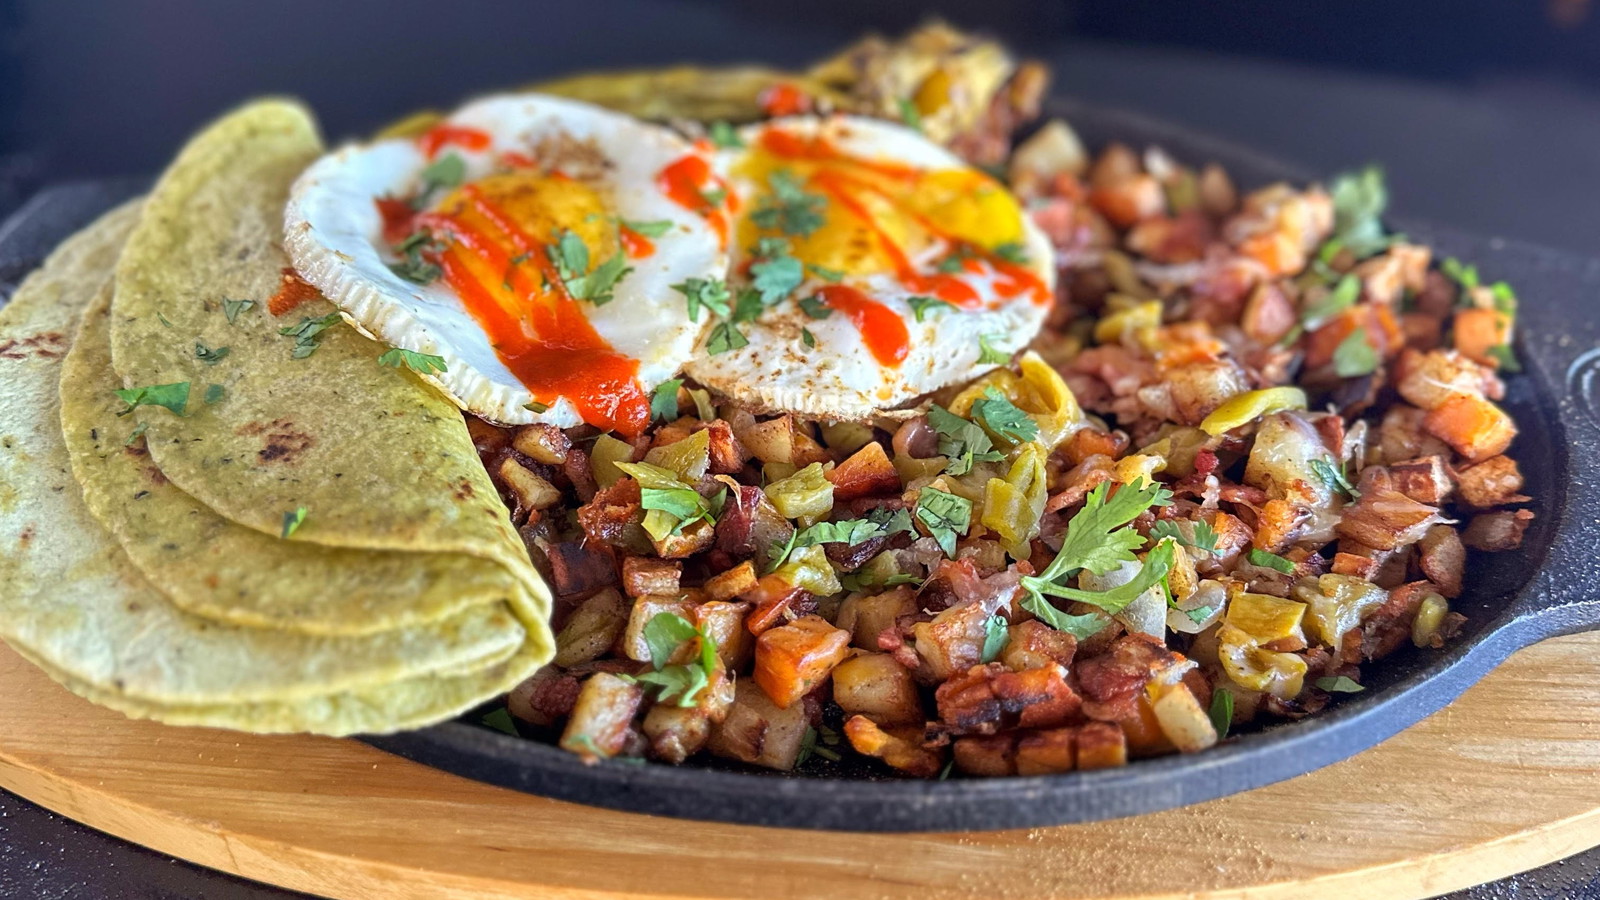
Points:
(1503, 780)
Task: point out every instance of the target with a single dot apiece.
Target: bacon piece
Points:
(989, 698)
(1386, 520)
(1112, 682)
(578, 569)
(1389, 625)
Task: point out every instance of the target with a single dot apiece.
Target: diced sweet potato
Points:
(1279, 525)
(876, 686)
(1494, 482)
(1354, 564)
(987, 699)
(642, 575)
(1268, 314)
(1475, 332)
(771, 598)
(1047, 752)
(693, 539)
(542, 443)
(592, 629)
(1033, 644)
(758, 732)
(1496, 531)
(794, 658)
(899, 748)
(1475, 427)
(1127, 200)
(1429, 379)
(1101, 745)
(866, 473)
(603, 717)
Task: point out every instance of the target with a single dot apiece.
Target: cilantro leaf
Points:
(962, 442)
(1081, 627)
(293, 520)
(1221, 712)
(788, 207)
(921, 305)
(232, 308)
(1271, 561)
(1157, 564)
(995, 638)
(1340, 298)
(1012, 252)
(1342, 684)
(1093, 540)
(725, 337)
(138, 432)
(570, 255)
(1464, 275)
(413, 266)
(446, 172)
(669, 503)
(653, 229)
(710, 293)
(664, 634)
(664, 401)
(825, 273)
(1359, 200)
(1330, 475)
(946, 516)
(988, 353)
(500, 720)
(421, 363)
(1204, 540)
(682, 682)
(725, 135)
(748, 307)
(815, 307)
(1002, 418)
(713, 197)
(307, 334)
(910, 116)
(775, 273)
(213, 394)
(208, 355)
(1506, 357)
(172, 397)
(1355, 355)
(807, 338)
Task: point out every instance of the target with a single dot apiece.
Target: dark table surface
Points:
(107, 89)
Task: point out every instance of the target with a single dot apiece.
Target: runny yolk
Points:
(508, 282)
(468, 138)
(690, 183)
(881, 328)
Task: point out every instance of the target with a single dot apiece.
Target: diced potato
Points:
(780, 440)
(526, 700)
(759, 732)
(986, 755)
(1199, 388)
(1052, 150)
(794, 658)
(952, 642)
(723, 622)
(532, 491)
(731, 583)
(867, 616)
(607, 452)
(1047, 752)
(642, 575)
(1033, 644)
(1443, 559)
(677, 732)
(866, 473)
(1280, 461)
(603, 717)
(689, 457)
(592, 629)
(542, 443)
(900, 748)
(878, 687)
(1429, 380)
(1101, 745)
(645, 609)
(1182, 720)
(693, 539)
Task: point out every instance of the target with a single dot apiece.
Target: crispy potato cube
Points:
(645, 609)
(532, 491)
(878, 687)
(723, 621)
(867, 473)
(1101, 745)
(1033, 644)
(1443, 558)
(602, 717)
(899, 748)
(758, 732)
(642, 575)
(592, 629)
(987, 755)
(952, 642)
(1182, 720)
(695, 538)
(794, 658)
(542, 443)
(1494, 482)
(676, 732)
(781, 440)
(732, 583)
(866, 617)
(1047, 752)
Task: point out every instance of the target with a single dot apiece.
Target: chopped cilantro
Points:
(1359, 199)
(748, 307)
(172, 397)
(816, 308)
(1506, 357)
(446, 172)
(162, 319)
(500, 720)
(713, 197)
(683, 682)
(1221, 712)
(1331, 476)
(653, 229)
(670, 504)
(664, 401)
(825, 273)
(921, 305)
(1355, 355)
(1204, 540)
(774, 272)
(1340, 298)
(788, 207)
(1271, 561)
(208, 355)
(988, 353)
(1505, 299)
(1002, 418)
(570, 255)
(910, 116)
(293, 520)
(725, 337)
(807, 338)
(413, 266)
(232, 308)
(710, 293)
(956, 260)
(138, 432)
(1099, 540)
(307, 334)
(962, 442)
(725, 135)
(421, 363)
(1012, 252)
(995, 638)
(1341, 684)
(1464, 275)
(851, 532)
(213, 394)
(946, 516)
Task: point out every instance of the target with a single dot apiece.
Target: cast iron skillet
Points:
(1514, 599)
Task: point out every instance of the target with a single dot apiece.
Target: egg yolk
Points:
(501, 239)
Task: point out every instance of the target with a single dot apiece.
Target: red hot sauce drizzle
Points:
(687, 181)
(882, 329)
(436, 137)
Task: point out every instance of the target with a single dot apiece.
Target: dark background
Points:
(1485, 114)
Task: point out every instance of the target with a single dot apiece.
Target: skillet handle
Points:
(1559, 346)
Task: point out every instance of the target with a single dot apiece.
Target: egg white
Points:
(334, 235)
(839, 379)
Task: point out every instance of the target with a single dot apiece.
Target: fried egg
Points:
(523, 250)
(869, 267)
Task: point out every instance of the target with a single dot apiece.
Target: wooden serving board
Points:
(1503, 780)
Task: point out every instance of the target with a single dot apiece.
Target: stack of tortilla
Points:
(311, 545)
